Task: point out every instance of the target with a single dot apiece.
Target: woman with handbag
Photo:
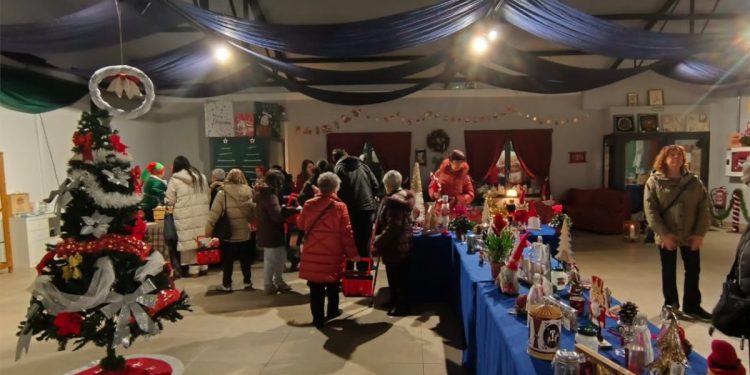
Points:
(676, 206)
(328, 241)
(188, 193)
(231, 211)
(270, 233)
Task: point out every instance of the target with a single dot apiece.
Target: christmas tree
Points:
(416, 188)
(564, 251)
(102, 284)
(670, 349)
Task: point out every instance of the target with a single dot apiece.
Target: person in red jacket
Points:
(328, 241)
(452, 179)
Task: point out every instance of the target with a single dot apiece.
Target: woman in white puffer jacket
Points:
(188, 192)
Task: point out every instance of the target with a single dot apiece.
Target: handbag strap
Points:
(308, 230)
(682, 189)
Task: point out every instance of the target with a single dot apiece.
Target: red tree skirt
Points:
(139, 364)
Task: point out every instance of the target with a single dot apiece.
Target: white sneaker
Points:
(249, 286)
(222, 288)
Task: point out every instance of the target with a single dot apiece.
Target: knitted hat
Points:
(723, 359)
(457, 155)
(151, 168)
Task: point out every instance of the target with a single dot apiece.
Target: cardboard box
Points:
(19, 203)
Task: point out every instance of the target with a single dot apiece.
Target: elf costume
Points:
(154, 188)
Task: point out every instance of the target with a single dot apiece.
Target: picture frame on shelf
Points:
(624, 123)
(697, 122)
(632, 99)
(420, 156)
(656, 97)
(672, 123)
(648, 123)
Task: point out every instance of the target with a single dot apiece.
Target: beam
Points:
(668, 4)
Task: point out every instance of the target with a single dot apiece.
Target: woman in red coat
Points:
(328, 241)
(452, 179)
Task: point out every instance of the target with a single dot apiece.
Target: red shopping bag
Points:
(358, 283)
(208, 251)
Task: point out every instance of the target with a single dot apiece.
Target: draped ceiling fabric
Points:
(30, 92)
(191, 71)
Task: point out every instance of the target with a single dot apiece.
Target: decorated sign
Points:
(219, 117)
(267, 120)
(244, 125)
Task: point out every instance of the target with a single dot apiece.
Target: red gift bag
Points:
(358, 283)
(208, 251)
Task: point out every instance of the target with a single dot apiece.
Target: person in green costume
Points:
(154, 188)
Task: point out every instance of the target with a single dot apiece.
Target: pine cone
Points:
(627, 312)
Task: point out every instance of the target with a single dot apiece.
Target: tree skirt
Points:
(137, 364)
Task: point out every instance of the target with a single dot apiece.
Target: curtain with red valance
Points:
(533, 148)
(392, 148)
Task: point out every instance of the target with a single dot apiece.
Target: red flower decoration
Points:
(68, 324)
(557, 209)
(459, 210)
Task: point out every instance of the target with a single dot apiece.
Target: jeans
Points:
(318, 292)
(231, 251)
(273, 263)
(692, 262)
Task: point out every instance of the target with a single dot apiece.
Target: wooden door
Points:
(5, 221)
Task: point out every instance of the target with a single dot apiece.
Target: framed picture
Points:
(632, 98)
(672, 122)
(656, 97)
(735, 158)
(648, 123)
(577, 157)
(624, 123)
(420, 156)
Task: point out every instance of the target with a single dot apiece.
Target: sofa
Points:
(597, 210)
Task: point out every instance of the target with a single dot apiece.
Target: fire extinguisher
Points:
(719, 197)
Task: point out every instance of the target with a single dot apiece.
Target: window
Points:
(509, 161)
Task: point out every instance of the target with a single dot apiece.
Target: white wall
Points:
(30, 164)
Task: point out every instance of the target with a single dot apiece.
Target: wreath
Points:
(438, 140)
(123, 80)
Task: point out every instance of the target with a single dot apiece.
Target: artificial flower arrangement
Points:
(557, 220)
(461, 224)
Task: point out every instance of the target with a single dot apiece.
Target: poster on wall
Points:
(219, 116)
(735, 158)
(267, 120)
(244, 125)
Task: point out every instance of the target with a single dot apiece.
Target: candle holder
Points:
(631, 231)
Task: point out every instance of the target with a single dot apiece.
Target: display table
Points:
(549, 237)
(501, 339)
(430, 268)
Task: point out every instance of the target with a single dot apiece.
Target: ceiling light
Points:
(222, 54)
(492, 35)
(479, 45)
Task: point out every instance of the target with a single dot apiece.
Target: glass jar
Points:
(586, 335)
(566, 362)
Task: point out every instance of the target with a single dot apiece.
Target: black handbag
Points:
(223, 228)
(730, 316)
(170, 230)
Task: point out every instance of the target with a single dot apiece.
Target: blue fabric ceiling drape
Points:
(557, 22)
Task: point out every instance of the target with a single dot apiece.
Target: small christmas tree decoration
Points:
(101, 284)
(416, 187)
(564, 250)
(671, 355)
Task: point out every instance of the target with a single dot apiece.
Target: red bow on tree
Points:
(135, 177)
(84, 142)
(68, 323)
(117, 143)
(138, 230)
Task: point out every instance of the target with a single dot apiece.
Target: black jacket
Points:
(394, 226)
(359, 185)
(743, 262)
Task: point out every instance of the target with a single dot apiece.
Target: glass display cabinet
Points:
(628, 159)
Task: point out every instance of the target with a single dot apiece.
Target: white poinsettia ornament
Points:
(125, 84)
(96, 224)
(117, 176)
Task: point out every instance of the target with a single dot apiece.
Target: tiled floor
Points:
(251, 333)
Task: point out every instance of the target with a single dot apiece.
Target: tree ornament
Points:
(117, 143)
(117, 176)
(125, 79)
(671, 353)
(84, 141)
(628, 312)
(96, 224)
(71, 271)
(564, 251)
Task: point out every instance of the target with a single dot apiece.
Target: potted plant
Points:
(460, 225)
(498, 248)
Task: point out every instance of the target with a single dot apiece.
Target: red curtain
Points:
(534, 150)
(392, 148)
(483, 148)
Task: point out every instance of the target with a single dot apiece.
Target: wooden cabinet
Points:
(6, 256)
(30, 236)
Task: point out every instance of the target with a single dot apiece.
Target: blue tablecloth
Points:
(470, 273)
(549, 237)
(501, 339)
(431, 268)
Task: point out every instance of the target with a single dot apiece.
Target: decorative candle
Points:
(632, 231)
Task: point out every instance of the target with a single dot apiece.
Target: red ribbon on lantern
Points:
(85, 142)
